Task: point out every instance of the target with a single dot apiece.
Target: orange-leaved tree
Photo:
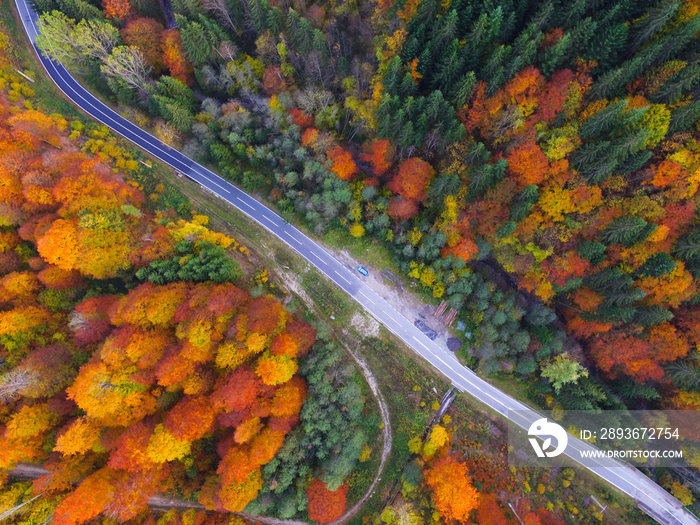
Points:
(380, 155)
(453, 493)
(325, 505)
(343, 164)
(145, 33)
(119, 9)
(174, 56)
(528, 164)
(411, 182)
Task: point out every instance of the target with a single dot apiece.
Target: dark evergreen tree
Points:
(196, 43)
(79, 9)
(43, 6)
(685, 117)
(680, 83)
(463, 90)
(624, 297)
(609, 280)
(617, 314)
(609, 44)
(657, 265)
(634, 162)
(554, 56)
(603, 122)
(484, 177)
(626, 231)
(654, 21)
(523, 203)
(198, 262)
(441, 187)
(685, 374)
(687, 249)
(632, 390)
(651, 315)
(592, 251)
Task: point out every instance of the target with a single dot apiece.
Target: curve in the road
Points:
(655, 500)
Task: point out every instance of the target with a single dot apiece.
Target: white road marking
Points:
(366, 297)
(317, 257)
(293, 238)
(214, 183)
(269, 220)
(343, 277)
(246, 204)
(389, 314)
(421, 343)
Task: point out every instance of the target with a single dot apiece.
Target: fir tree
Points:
(684, 118)
(592, 251)
(626, 231)
(79, 9)
(657, 265)
(523, 203)
(651, 315)
(685, 374)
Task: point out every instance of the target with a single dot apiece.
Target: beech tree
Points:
(144, 33)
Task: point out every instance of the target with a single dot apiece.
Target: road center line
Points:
(422, 344)
(342, 277)
(293, 238)
(366, 297)
(389, 314)
(317, 257)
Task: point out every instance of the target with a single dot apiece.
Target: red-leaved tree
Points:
(325, 505)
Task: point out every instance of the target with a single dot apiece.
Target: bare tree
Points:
(127, 63)
(227, 50)
(220, 9)
(311, 100)
(14, 382)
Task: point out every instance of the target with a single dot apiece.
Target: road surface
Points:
(652, 498)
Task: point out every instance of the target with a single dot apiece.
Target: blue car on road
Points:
(363, 270)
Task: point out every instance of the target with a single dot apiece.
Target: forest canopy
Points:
(533, 164)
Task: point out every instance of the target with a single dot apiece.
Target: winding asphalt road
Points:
(651, 497)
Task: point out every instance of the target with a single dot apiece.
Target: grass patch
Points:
(366, 250)
(510, 384)
(333, 302)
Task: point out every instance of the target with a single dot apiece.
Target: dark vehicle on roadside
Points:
(429, 332)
